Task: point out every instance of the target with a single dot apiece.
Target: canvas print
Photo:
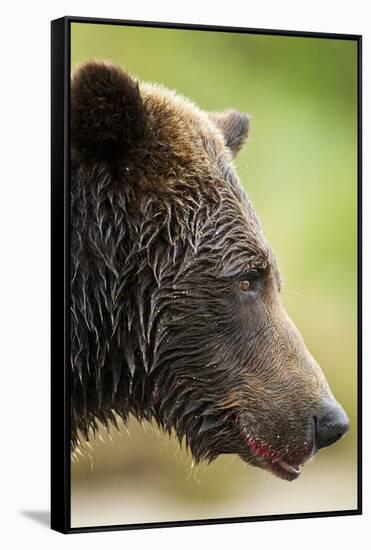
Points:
(213, 274)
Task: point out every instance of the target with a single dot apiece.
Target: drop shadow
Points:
(42, 517)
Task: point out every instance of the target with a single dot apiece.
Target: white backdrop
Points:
(24, 273)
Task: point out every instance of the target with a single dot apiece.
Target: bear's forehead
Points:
(180, 123)
(192, 142)
(184, 128)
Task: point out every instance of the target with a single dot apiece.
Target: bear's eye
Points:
(244, 286)
(252, 281)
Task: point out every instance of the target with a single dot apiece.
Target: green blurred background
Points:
(300, 171)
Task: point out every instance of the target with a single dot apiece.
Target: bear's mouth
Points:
(284, 470)
(262, 454)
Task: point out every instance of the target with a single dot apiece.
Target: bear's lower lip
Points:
(284, 470)
(270, 460)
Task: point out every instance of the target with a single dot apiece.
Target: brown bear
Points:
(176, 314)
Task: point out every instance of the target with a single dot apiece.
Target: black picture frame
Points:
(60, 286)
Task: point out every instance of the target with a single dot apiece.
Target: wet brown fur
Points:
(162, 236)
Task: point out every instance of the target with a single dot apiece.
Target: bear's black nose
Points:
(331, 424)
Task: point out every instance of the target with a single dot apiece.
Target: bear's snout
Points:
(331, 423)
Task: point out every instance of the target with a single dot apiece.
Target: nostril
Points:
(330, 425)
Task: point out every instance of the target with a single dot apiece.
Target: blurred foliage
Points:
(300, 171)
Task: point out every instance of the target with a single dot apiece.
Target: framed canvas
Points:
(206, 274)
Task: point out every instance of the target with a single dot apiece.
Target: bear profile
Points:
(176, 316)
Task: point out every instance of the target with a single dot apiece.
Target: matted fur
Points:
(162, 237)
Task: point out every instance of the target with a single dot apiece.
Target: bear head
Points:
(176, 315)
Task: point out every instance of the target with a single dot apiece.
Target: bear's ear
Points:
(107, 113)
(234, 127)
